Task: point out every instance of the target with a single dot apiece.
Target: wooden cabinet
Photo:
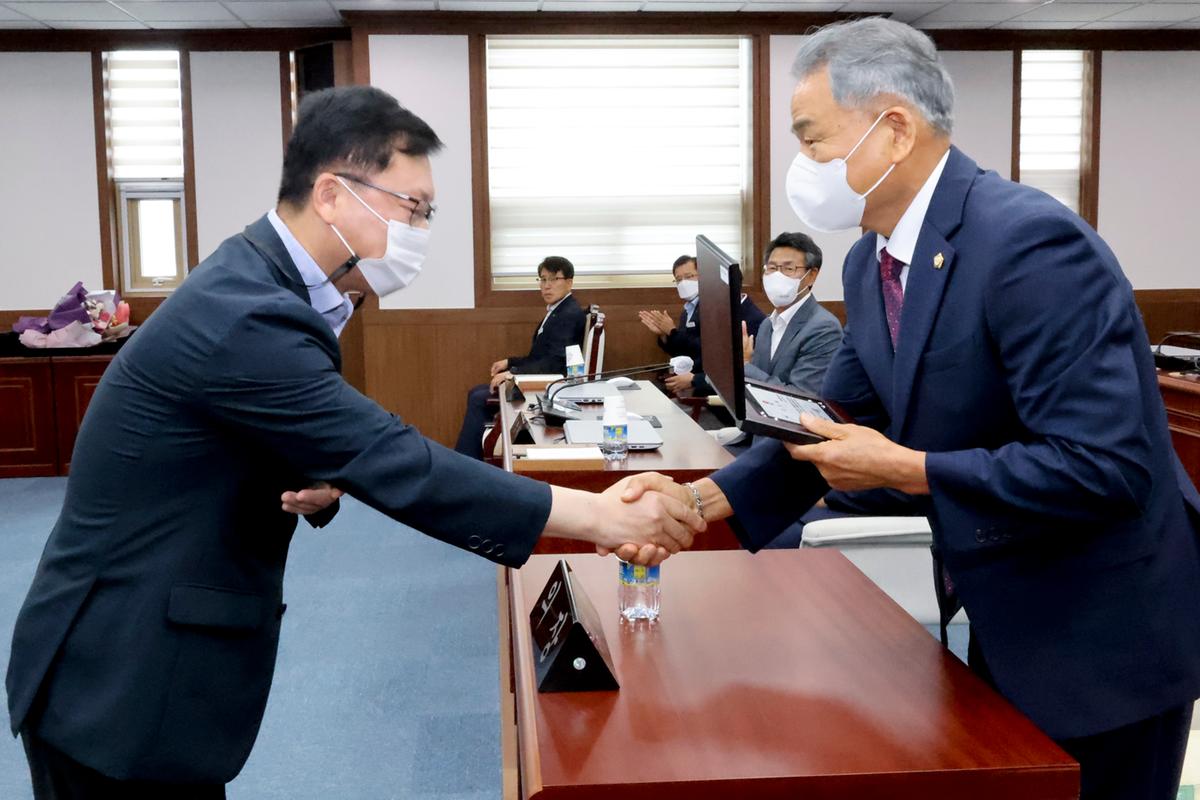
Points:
(42, 403)
(1181, 396)
(75, 381)
(28, 441)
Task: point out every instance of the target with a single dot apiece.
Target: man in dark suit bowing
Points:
(143, 654)
(562, 326)
(1003, 385)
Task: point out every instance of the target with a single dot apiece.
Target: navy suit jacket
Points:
(547, 351)
(1064, 517)
(146, 645)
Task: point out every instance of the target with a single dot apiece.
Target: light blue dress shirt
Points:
(331, 304)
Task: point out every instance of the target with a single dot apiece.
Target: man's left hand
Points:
(679, 383)
(310, 500)
(855, 458)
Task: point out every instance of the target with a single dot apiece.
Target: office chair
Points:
(897, 554)
(593, 341)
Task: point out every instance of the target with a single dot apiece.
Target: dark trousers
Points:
(470, 438)
(1139, 761)
(57, 777)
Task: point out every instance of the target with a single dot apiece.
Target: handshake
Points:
(643, 519)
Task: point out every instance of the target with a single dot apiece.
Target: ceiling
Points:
(192, 14)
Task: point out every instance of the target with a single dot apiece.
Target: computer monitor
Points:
(721, 328)
(758, 407)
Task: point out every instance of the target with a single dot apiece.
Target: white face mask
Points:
(781, 290)
(820, 194)
(688, 289)
(401, 262)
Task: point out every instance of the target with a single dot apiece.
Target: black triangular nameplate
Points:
(570, 653)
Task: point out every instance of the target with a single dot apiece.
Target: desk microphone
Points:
(556, 412)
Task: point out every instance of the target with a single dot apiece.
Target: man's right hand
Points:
(647, 527)
(659, 322)
(499, 378)
(500, 366)
(650, 528)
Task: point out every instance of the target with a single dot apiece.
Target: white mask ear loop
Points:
(853, 149)
(364, 202)
(343, 238)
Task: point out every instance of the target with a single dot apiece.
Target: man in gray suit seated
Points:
(796, 343)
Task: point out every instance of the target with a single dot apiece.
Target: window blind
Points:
(145, 114)
(1052, 122)
(615, 152)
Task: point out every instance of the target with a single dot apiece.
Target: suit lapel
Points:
(930, 270)
(922, 299)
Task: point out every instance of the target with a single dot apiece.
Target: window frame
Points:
(129, 192)
(114, 236)
(1089, 136)
(755, 205)
(657, 275)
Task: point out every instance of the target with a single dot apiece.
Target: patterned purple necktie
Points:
(893, 292)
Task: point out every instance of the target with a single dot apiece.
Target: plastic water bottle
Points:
(615, 441)
(639, 593)
(574, 361)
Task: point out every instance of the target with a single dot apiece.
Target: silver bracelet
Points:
(696, 497)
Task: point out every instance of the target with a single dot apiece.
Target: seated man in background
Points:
(798, 341)
(562, 326)
(683, 339)
(800, 337)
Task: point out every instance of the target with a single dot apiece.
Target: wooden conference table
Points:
(781, 675)
(688, 454)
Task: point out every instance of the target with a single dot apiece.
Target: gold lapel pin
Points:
(938, 261)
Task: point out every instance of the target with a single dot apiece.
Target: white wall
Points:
(237, 135)
(49, 218)
(983, 116)
(1150, 166)
(429, 76)
(983, 130)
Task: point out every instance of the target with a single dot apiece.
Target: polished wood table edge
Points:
(510, 768)
(524, 690)
(964, 784)
(999, 783)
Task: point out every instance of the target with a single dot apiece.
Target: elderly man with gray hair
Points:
(1002, 384)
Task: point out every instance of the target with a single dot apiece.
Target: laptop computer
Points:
(756, 406)
(642, 435)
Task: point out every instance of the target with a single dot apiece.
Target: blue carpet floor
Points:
(387, 683)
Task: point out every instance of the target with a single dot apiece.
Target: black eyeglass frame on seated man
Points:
(423, 209)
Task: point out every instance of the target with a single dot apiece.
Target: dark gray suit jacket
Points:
(146, 645)
(809, 342)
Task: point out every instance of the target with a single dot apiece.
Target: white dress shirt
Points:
(903, 242)
(331, 304)
(781, 319)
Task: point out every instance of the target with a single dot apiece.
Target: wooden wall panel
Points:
(1166, 310)
(28, 446)
(75, 381)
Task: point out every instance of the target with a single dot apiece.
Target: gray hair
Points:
(876, 56)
